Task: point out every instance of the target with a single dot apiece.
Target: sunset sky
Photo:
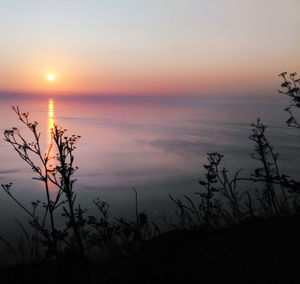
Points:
(139, 47)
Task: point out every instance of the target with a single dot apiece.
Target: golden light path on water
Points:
(51, 121)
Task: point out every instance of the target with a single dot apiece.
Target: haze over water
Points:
(157, 146)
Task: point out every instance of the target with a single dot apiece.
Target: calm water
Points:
(156, 146)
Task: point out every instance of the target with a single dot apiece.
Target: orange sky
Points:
(148, 47)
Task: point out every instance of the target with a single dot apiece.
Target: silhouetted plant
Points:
(62, 177)
(206, 211)
(210, 210)
(224, 200)
(133, 233)
(57, 170)
(277, 192)
(28, 151)
(290, 87)
(105, 233)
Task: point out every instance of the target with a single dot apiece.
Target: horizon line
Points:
(14, 94)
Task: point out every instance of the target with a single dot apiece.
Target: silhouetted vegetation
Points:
(235, 226)
(290, 87)
(81, 232)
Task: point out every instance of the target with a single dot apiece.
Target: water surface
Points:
(157, 146)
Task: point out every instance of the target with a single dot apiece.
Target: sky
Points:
(139, 47)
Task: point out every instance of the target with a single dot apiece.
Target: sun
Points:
(51, 77)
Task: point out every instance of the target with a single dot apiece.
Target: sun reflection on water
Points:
(51, 121)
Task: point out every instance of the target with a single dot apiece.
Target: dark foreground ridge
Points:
(259, 250)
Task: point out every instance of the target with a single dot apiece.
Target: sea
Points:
(155, 145)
